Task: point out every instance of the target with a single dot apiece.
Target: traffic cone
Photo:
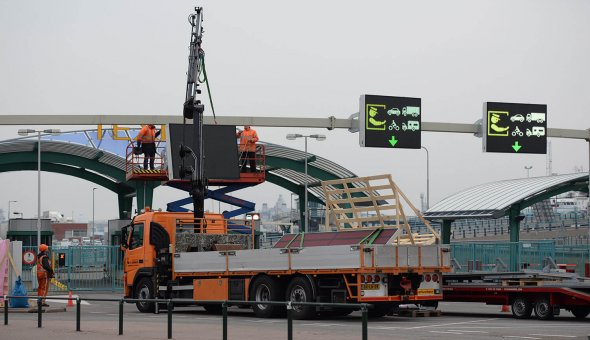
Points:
(70, 301)
(505, 309)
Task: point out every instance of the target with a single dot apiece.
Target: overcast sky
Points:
(301, 59)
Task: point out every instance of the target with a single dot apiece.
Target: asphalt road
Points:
(99, 320)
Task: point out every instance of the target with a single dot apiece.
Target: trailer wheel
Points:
(581, 312)
(521, 308)
(266, 288)
(543, 309)
(145, 290)
(300, 290)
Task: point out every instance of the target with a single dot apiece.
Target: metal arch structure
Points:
(503, 198)
(79, 161)
(83, 159)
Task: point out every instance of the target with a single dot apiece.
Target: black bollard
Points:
(78, 307)
(5, 311)
(121, 317)
(289, 321)
(169, 306)
(365, 313)
(224, 311)
(39, 313)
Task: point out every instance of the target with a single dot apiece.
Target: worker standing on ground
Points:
(248, 138)
(44, 272)
(146, 138)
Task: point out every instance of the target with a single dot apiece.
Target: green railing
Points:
(528, 254)
(97, 268)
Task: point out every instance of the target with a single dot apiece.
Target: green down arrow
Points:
(393, 141)
(516, 146)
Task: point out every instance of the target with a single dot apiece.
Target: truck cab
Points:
(149, 243)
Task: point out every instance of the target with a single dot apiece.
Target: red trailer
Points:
(544, 293)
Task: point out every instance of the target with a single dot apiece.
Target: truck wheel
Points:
(543, 309)
(581, 312)
(336, 312)
(521, 308)
(213, 309)
(266, 288)
(300, 290)
(380, 310)
(145, 290)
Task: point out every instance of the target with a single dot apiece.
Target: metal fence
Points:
(530, 255)
(169, 303)
(97, 268)
(100, 268)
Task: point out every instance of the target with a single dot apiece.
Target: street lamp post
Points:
(292, 136)
(26, 132)
(427, 178)
(291, 210)
(528, 169)
(92, 233)
(9, 209)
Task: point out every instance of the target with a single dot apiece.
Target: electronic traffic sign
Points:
(515, 128)
(390, 122)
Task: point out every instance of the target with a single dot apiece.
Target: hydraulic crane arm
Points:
(193, 109)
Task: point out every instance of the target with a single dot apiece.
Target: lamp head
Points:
(293, 136)
(25, 132)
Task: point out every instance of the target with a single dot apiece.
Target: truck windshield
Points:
(136, 236)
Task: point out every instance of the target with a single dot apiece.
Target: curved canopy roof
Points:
(287, 164)
(493, 200)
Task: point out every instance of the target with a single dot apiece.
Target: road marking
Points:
(113, 314)
(443, 332)
(556, 335)
(465, 331)
(451, 324)
(383, 327)
(96, 312)
(520, 337)
(322, 324)
(266, 321)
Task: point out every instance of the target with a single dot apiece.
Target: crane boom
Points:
(193, 109)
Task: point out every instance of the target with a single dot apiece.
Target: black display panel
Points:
(220, 147)
(390, 122)
(515, 128)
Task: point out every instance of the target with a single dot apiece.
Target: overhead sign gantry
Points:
(515, 128)
(390, 122)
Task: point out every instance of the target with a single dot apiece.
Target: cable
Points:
(206, 81)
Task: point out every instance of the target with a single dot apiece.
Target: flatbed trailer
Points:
(544, 293)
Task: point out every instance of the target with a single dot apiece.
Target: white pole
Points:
(306, 225)
(38, 190)
(92, 232)
(9, 209)
(427, 178)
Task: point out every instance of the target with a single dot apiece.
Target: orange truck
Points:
(172, 255)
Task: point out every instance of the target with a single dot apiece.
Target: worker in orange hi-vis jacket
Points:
(248, 138)
(44, 272)
(146, 138)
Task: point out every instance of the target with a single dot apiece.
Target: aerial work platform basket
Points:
(135, 164)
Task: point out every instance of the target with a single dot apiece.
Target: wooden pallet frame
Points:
(348, 198)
